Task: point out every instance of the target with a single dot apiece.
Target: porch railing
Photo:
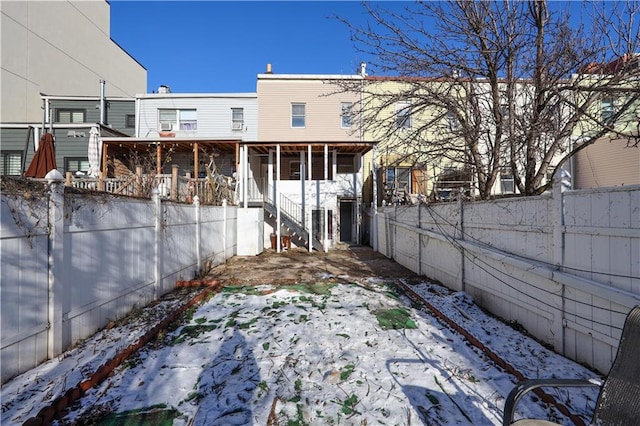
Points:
(171, 186)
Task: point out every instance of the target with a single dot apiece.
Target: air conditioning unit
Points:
(166, 127)
(237, 125)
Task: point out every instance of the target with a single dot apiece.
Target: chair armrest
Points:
(528, 385)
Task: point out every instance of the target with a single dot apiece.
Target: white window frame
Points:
(237, 119)
(607, 108)
(76, 115)
(185, 119)
(11, 164)
(295, 124)
(403, 115)
(346, 115)
(452, 122)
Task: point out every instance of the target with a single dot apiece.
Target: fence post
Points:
(157, 203)
(196, 203)
(56, 284)
(461, 237)
(559, 186)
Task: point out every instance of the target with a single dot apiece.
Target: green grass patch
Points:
(348, 405)
(157, 415)
(192, 331)
(394, 319)
(312, 288)
(241, 289)
(346, 371)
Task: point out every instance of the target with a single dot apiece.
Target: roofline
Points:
(243, 95)
(84, 98)
(166, 139)
(446, 79)
(309, 77)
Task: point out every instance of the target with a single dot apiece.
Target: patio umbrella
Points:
(44, 160)
(95, 151)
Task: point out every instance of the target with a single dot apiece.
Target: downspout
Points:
(103, 104)
(137, 129)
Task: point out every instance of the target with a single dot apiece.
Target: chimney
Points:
(269, 71)
(363, 69)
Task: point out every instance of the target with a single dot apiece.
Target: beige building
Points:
(308, 157)
(60, 47)
(607, 162)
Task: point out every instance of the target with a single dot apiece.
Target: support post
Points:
(245, 176)
(374, 204)
(309, 174)
(277, 200)
(174, 182)
(325, 231)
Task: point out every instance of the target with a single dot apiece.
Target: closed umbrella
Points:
(95, 151)
(44, 160)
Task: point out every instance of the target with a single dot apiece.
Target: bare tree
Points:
(497, 87)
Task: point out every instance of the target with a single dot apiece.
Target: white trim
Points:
(309, 77)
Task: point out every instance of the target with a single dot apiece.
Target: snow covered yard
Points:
(339, 350)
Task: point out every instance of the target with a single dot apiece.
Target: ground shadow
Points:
(227, 384)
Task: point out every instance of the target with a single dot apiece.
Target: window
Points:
(608, 108)
(177, 119)
(70, 115)
(452, 121)
(504, 110)
(346, 163)
(346, 114)
(11, 163)
(298, 115)
(188, 119)
(403, 115)
(130, 121)
(76, 164)
(294, 170)
(237, 118)
(506, 181)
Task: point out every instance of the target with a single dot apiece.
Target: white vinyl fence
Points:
(73, 262)
(564, 265)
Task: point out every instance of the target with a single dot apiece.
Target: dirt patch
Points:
(298, 265)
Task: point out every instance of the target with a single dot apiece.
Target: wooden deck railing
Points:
(211, 190)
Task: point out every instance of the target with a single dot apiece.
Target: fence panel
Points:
(24, 282)
(114, 254)
(566, 266)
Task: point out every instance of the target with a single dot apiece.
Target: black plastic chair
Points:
(619, 398)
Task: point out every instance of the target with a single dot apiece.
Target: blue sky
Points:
(216, 46)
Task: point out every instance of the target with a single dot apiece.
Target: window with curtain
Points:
(188, 119)
(298, 115)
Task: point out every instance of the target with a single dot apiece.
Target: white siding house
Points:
(197, 115)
